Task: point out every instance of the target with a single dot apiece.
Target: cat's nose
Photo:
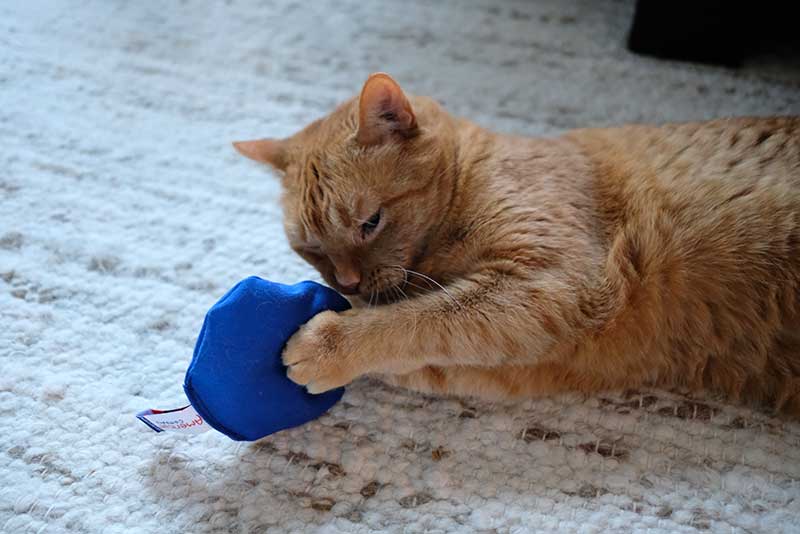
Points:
(348, 281)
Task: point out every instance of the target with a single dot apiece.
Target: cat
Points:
(505, 267)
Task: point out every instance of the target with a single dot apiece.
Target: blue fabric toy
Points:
(236, 380)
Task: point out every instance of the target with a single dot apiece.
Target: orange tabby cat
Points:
(502, 266)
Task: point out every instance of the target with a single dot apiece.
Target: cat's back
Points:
(702, 222)
(706, 158)
(713, 176)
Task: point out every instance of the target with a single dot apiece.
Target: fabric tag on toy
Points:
(185, 420)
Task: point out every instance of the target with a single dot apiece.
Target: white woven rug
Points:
(124, 214)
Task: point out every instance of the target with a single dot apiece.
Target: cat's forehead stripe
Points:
(343, 216)
(411, 192)
(313, 198)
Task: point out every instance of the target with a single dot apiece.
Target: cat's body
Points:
(603, 259)
(684, 254)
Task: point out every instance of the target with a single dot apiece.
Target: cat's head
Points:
(364, 187)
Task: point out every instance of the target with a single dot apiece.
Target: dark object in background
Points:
(714, 31)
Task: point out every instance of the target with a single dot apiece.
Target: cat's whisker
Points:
(440, 286)
(426, 278)
(428, 288)
(406, 281)
(400, 289)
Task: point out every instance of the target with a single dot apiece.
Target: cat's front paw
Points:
(315, 354)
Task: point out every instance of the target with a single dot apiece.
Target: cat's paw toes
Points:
(315, 380)
(313, 356)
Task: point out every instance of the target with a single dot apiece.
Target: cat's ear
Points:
(383, 111)
(269, 151)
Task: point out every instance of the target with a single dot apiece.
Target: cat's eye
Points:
(369, 226)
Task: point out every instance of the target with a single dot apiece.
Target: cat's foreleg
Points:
(490, 319)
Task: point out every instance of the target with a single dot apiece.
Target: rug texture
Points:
(125, 214)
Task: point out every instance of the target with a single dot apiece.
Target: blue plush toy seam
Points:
(189, 390)
(201, 408)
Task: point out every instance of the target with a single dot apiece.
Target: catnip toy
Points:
(236, 381)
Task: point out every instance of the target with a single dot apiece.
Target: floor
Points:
(125, 213)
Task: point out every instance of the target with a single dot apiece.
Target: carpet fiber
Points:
(125, 213)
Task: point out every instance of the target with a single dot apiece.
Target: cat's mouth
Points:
(383, 285)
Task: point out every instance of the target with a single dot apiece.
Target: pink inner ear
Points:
(383, 109)
(395, 108)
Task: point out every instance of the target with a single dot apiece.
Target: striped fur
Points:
(603, 259)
